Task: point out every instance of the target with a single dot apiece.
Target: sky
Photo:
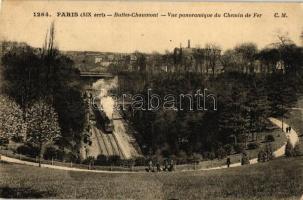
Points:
(112, 34)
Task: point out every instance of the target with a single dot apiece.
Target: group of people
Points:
(288, 129)
(168, 165)
(244, 160)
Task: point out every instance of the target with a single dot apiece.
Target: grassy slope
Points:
(279, 179)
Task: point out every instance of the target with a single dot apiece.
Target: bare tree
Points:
(282, 40)
(213, 52)
(199, 56)
(49, 41)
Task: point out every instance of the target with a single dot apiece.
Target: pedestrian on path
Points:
(165, 165)
(158, 167)
(228, 162)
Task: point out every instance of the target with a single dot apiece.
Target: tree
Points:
(221, 153)
(140, 63)
(199, 57)
(269, 58)
(257, 106)
(43, 125)
(248, 53)
(289, 53)
(289, 150)
(21, 78)
(232, 119)
(281, 93)
(30, 74)
(11, 118)
(230, 61)
(212, 55)
(269, 151)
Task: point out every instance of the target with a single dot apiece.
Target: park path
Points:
(292, 136)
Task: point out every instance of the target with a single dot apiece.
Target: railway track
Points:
(118, 147)
(107, 144)
(102, 146)
(113, 144)
(122, 154)
(110, 144)
(98, 142)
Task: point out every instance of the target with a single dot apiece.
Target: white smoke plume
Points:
(107, 102)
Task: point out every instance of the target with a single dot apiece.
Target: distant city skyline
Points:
(126, 35)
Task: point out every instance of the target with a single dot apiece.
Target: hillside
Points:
(279, 179)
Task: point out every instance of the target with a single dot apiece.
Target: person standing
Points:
(171, 165)
(165, 165)
(150, 166)
(158, 167)
(228, 162)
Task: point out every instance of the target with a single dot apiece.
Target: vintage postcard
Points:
(151, 100)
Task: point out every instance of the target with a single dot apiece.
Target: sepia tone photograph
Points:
(151, 100)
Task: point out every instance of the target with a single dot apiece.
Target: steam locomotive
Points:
(102, 120)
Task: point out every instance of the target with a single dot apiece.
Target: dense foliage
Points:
(32, 74)
(11, 119)
(244, 102)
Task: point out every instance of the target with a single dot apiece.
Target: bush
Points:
(212, 155)
(244, 159)
(49, 153)
(221, 153)
(289, 150)
(71, 157)
(269, 152)
(101, 160)
(239, 148)
(181, 157)
(269, 138)
(17, 139)
(297, 150)
(28, 150)
(60, 154)
(4, 141)
(114, 160)
(209, 155)
(229, 149)
(129, 162)
(140, 161)
(261, 156)
(89, 160)
(196, 158)
(253, 145)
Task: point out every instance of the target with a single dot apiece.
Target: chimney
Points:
(188, 44)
